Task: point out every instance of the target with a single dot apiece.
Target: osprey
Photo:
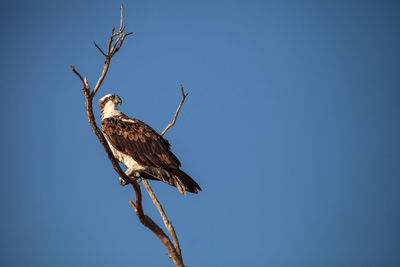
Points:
(141, 149)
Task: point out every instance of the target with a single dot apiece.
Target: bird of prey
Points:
(141, 149)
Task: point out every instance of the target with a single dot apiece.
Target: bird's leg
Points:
(137, 176)
(130, 173)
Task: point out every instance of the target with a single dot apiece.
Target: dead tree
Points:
(114, 43)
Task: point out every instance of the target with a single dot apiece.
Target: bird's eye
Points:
(111, 97)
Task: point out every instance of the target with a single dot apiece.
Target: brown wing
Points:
(140, 141)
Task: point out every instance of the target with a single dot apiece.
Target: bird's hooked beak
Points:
(118, 100)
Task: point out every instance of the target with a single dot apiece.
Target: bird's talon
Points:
(122, 181)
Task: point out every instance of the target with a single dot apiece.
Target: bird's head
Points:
(109, 99)
(108, 103)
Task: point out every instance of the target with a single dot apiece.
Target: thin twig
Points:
(109, 41)
(177, 111)
(104, 54)
(86, 88)
(167, 223)
(120, 42)
(103, 75)
(116, 42)
(79, 75)
(122, 14)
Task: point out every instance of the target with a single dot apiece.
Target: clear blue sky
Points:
(291, 128)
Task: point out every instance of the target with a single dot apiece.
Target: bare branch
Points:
(112, 48)
(103, 75)
(87, 84)
(122, 15)
(146, 220)
(120, 42)
(177, 112)
(167, 223)
(133, 205)
(109, 41)
(104, 54)
(77, 73)
(86, 87)
(116, 42)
